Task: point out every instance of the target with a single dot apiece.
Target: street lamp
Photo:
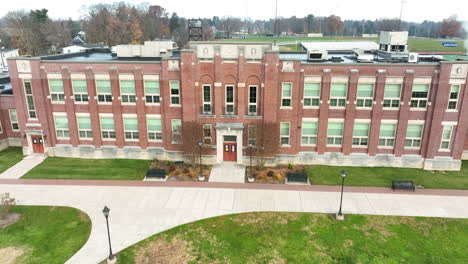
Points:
(339, 215)
(201, 177)
(250, 178)
(112, 258)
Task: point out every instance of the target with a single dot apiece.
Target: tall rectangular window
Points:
(446, 137)
(284, 133)
(14, 120)
(206, 99)
(230, 99)
(309, 133)
(80, 90)
(152, 92)
(360, 134)
(419, 95)
(311, 94)
(252, 100)
(413, 136)
(207, 134)
(252, 134)
(335, 133)
(154, 129)
(104, 91)
(175, 92)
(84, 127)
(338, 94)
(453, 99)
(392, 95)
(107, 127)
(387, 135)
(365, 95)
(61, 127)
(127, 91)
(286, 94)
(176, 131)
(29, 99)
(131, 128)
(56, 90)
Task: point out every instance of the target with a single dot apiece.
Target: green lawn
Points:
(306, 238)
(46, 234)
(383, 176)
(9, 157)
(89, 169)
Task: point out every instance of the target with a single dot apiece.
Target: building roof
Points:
(7, 50)
(339, 45)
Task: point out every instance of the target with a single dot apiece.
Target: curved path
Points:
(138, 212)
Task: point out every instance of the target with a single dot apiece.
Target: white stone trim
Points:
(126, 77)
(362, 121)
(150, 77)
(422, 80)
(339, 79)
(335, 120)
(394, 80)
(25, 75)
(153, 116)
(367, 79)
(129, 115)
(449, 123)
(310, 119)
(78, 76)
(101, 76)
(314, 79)
(56, 76)
(106, 115)
(457, 81)
(82, 114)
(389, 121)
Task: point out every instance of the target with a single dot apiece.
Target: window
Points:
(311, 94)
(338, 94)
(365, 95)
(419, 95)
(56, 91)
(206, 99)
(14, 119)
(61, 127)
(80, 90)
(309, 133)
(252, 100)
(175, 92)
(392, 94)
(387, 135)
(360, 134)
(207, 134)
(413, 136)
(127, 91)
(176, 131)
(453, 99)
(104, 91)
(284, 133)
(229, 99)
(154, 129)
(252, 134)
(107, 127)
(446, 136)
(130, 128)
(286, 94)
(335, 134)
(152, 92)
(84, 127)
(29, 99)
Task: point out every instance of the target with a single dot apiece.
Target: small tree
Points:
(6, 204)
(267, 142)
(191, 134)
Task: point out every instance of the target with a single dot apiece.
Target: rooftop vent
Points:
(393, 41)
(317, 55)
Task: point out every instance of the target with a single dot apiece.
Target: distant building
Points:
(4, 55)
(314, 35)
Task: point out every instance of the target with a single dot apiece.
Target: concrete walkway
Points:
(227, 172)
(22, 167)
(139, 212)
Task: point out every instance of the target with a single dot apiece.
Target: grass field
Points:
(89, 169)
(46, 234)
(9, 157)
(383, 176)
(306, 238)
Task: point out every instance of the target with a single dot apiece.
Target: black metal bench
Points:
(407, 185)
(297, 177)
(156, 173)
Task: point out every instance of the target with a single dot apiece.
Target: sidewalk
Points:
(22, 167)
(227, 172)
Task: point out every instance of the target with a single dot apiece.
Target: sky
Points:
(413, 10)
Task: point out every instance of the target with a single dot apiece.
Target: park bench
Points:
(156, 173)
(407, 185)
(297, 177)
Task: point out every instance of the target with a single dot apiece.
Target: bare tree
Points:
(267, 142)
(334, 24)
(230, 25)
(191, 133)
(450, 27)
(6, 204)
(388, 24)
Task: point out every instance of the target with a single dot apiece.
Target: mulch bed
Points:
(273, 175)
(179, 171)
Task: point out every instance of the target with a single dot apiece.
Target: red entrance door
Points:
(38, 144)
(230, 151)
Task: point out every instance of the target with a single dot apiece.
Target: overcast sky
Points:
(414, 10)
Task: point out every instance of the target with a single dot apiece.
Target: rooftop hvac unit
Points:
(317, 55)
(413, 57)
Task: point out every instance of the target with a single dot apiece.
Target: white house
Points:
(4, 55)
(73, 49)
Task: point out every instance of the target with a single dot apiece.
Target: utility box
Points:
(393, 41)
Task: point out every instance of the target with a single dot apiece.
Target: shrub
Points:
(172, 168)
(290, 166)
(186, 170)
(191, 173)
(270, 173)
(279, 176)
(154, 164)
(176, 172)
(6, 204)
(255, 174)
(168, 163)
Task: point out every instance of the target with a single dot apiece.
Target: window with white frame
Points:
(311, 94)
(360, 134)
(84, 127)
(252, 100)
(107, 127)
(453, 99)
(335, 133)
(413, 136)
(207, 134)
(387, 135)
(176, 131)
(365, 95)
(131, 128)
(80, 90)
(419, 95)
(286, 94)
(29, 99)
(230, 99)
(309, 133)
(174, 87)
(154, 128)
(56, 90)
(338, 92)
(252, 134)
(127, 91)
(14, 120)
(61, 127)
(152, 92)
(206, 98)
(446, 138)
(284, 133)
(104, 91)
(392, 95)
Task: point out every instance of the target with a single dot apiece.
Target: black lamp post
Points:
(250, 178)
(200, 176)
(106, 211)
(340, 216)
